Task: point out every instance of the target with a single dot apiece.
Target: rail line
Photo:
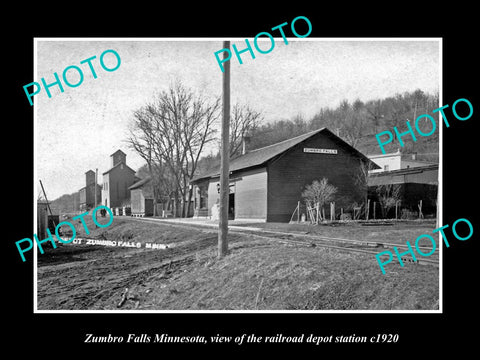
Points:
(324, 243)
(334, 239)
(313, 240)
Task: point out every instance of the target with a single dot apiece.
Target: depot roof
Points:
(262, 155)
(140, 183)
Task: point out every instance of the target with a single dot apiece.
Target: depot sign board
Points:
(320, 151)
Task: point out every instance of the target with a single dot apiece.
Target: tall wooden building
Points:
(117, 180)
(87, 193)
(267, 183)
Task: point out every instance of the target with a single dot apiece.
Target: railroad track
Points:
(342, 244)
(352, 245)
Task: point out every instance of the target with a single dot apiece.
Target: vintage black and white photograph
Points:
(323, 197)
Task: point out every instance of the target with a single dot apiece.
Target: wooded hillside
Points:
(357, 123)
(66, 203)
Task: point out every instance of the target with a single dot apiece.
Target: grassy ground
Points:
(265, 276)
(398, 232)
(258, 274)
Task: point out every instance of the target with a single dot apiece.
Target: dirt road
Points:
(258, 274)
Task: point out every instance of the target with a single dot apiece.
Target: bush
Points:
(346, 216)
(319, 192)
(408, 215)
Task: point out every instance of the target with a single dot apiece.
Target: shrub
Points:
(408, 215)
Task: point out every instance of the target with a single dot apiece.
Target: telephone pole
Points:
(224, 164)
(95, 188)
(46, 199)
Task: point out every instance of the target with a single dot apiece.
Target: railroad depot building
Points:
(266, 184)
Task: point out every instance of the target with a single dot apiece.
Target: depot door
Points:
(231, 206)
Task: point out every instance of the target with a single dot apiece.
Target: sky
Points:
(79, 129)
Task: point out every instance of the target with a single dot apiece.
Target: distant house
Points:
(396, 161)
(141, 197)
(266, 184)
(117, 180)
(87, 193)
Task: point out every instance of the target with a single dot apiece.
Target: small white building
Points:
(394, 161)
(141, 197)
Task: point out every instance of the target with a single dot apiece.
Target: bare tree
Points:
(143, 140)
(353, 121)
(374, 114)
(162, 183)
(243, 121)
(388, 195)
(399, 112)
(361, 177)
(172, 133)
(319, 192)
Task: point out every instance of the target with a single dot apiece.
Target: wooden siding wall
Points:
(251, 195)
(250, 189)
(83, 196)
(105, 200)
(421, 176)
(198, 188)
(148, 206)
(140, 204)
(289, 174)
(90, 195)
(87, 196)
(137, 201)
(42, 220)
(118, 182)
(212, 194)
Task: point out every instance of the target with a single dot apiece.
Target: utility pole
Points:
(224, 164)
(46, 199)
(48, 205)
(95, 188)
